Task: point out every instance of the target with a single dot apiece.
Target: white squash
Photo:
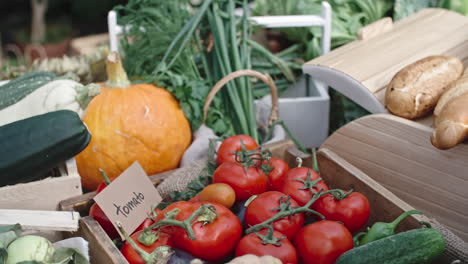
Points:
(55, 95)
(252, 259)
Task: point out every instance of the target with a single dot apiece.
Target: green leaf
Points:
(404, 8)
(68, 256)
(3, 255)
(8, 234)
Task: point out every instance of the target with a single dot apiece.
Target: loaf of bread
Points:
(414, 91)
(451, 127)
(454, 90)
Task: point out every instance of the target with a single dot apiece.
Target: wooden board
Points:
(44, 194)
(101, 247)
(40, 220)
(335, 171)
(362, 69)
(398, 154)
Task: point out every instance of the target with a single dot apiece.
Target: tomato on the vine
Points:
(246, 181)
(252, 244)
(353, 210)
(214, 240)
(322, 242)
(146, 223)
(266, 205)
(279, 169)
(96, 212)
(231, 145)
(133, 257)
(298, 182)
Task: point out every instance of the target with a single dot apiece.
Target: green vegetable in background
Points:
(188, 52)
(460, 6)
(381, 230)
(30, 248)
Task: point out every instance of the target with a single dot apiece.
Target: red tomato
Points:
(322, 242)
(292, 186)
(146, 223)
(252, 244)
(102, 186)
(102, 219)
(230, 145)
(265, 206)
(245, 181)
(353, 211)
(278, 173)
(214, 241)
(133, 257)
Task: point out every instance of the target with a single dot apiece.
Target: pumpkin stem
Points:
(116, 75)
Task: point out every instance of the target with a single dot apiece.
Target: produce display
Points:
(317, 227)
(246, 205)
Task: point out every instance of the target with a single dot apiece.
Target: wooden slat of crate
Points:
(44, 194)
(334, 170)
(398, 154)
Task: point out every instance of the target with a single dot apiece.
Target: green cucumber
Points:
(416, 246)
(29, 148)
(17, 89)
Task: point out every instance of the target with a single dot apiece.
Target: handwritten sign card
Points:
(128, 198)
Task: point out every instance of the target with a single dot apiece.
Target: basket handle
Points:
(263, 77)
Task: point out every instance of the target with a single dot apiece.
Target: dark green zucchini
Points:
(417, 246)
(17, 89)
(29, 148)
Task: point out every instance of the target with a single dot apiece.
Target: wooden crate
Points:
(43, 194)
(398, 154)
(335, 171)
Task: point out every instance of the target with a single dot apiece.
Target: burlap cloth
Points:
(456, 249)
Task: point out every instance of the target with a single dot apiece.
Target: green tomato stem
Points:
(291, 211)
(205, 213)
(104, 176)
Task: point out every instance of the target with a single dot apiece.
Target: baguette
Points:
(451, 127)
(414, 91)
(456, 89)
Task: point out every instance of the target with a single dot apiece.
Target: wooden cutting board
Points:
(398, 154)
(362, 69)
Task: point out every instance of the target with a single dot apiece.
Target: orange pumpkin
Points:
(131, 123)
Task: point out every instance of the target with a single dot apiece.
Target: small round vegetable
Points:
(230, 145)
(278, 173)
(30, 248)
(266, 205)
(322, 242)
(353, 210)
(219, 193)
(297, 179)
(133, 257)
(245, 181)
(252, 244)
(128, 123)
